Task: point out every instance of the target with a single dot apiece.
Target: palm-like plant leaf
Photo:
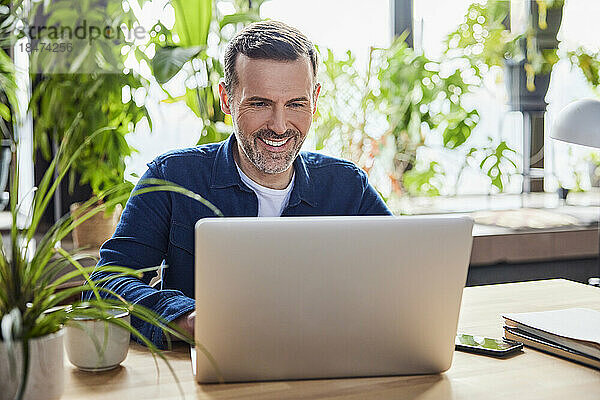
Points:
(30, 279)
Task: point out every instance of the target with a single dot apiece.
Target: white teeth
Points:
(275, 144)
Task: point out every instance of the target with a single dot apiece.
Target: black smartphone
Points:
(486, 346)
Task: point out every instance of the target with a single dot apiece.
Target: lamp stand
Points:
(596, 280)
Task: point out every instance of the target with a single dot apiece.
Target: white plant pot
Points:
(46, 369)
(97, 345)
(594, 177)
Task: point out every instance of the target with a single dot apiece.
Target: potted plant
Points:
(408, 91)
(33, 266)
(593, 163)
(97, 99)
(528, 77)
(102, 92)
(191, 54)
(527, 53)
(31, 275)
(8, 104)
(499, 44)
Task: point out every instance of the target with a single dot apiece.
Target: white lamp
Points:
(579, 123)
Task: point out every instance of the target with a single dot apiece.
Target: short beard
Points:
(265, 162)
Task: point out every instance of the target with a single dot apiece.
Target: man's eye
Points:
(296, 105)
(258, 104)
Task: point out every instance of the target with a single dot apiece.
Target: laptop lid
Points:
(326, 297)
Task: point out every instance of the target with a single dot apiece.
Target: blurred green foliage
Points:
(58, 100)
(381, 118)
(8, 84)
(198, 60)
(484, 39)
(84, 92)
(8, 97)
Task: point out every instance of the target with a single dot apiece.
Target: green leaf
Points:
(492, 164)
(192, 21)
(169, 60)
(239, 18)
(171, 100)
(460, 126)
(420, 182)
(191, 99)
(5, 112)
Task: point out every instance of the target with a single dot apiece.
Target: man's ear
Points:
(315, 97)
(224, 98)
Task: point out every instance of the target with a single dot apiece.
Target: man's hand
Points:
(186, 323)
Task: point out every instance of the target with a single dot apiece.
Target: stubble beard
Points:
(266, 161)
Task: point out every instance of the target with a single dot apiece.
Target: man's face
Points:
(271, 108)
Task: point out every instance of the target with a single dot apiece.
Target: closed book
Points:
(549, 347)
(577, 329)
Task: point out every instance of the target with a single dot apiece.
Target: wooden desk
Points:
(530, 375)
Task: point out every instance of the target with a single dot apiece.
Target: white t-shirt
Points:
(271, 202)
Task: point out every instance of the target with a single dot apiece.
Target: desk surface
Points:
(530, 375)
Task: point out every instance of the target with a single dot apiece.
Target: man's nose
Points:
(278, 123)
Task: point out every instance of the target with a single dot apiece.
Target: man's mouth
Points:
(275, 144)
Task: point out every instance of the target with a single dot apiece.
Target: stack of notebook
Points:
(573, 333)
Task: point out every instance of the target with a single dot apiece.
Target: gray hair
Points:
(270, 40)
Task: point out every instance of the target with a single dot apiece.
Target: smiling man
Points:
(270, 90)
(272, 107)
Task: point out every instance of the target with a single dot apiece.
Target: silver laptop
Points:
(327, 297)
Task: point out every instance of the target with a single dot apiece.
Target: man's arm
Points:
(371, 202)
(140, 241)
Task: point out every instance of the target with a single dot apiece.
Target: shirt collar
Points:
(304, 189)
(224, 174)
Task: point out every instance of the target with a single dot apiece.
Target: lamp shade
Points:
(579, 123)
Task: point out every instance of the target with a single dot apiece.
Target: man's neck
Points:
(272, 181)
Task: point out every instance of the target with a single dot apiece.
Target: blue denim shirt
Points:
(158, 227)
